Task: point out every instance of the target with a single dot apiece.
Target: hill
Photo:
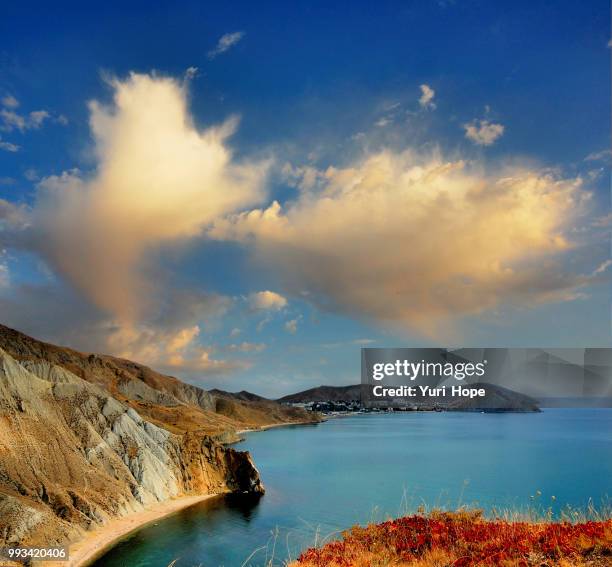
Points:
(163, 400)
(497, 398)
(85, 438)
(325, 394)
(243, 395)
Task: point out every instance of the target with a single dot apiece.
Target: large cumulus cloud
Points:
(418, 242)
(158, 179)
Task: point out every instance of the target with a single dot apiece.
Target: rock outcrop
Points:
(75, 453)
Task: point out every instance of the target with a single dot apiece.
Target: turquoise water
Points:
(324, 478)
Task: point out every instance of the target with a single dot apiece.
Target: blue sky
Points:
(325, 90)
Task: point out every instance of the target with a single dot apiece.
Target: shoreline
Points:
(94, 544)
(274, 425)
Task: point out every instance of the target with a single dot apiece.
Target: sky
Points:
(244, 196)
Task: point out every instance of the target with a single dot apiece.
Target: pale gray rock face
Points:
(193, 395)
(146, 451)
(77, 457)
(136, 390)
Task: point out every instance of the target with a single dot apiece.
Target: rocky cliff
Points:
(74, 452)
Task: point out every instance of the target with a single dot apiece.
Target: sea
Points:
(322, 479)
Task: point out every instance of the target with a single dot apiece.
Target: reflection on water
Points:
(245, 504)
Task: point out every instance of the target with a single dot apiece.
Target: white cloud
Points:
(267, 301)
(603, 267)
(31, 174)
(37, 118)
(225, 42)
(427, 96)
(10, 120)
(5, 278)
(247, 347)
(9, 101)
(419, 241)
(191, 73)
(602, 155)
(292, 325)
(483, 132)
(12, 217)
(8, 146)
(157, 181)
(235, 332)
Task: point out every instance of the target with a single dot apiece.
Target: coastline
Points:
(92, 545)
(274, 425)
(97, 542)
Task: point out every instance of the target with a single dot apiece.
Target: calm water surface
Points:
(324, 478)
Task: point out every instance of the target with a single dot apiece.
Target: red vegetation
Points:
(464, 539)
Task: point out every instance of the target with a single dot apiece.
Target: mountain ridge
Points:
(497, 398)
(87, 438)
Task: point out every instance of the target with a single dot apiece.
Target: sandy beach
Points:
(95, 543)
(84, 551)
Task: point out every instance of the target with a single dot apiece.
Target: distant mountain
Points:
(497, 398)
(244, 406)
(325, 394)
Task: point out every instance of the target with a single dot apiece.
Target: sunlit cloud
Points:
(291, 326)
(418, 242)
(427, 96)
(483, 132)
(157, 181)
(267, 300)
(168, 350)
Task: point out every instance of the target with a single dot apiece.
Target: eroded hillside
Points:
(87, 438)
